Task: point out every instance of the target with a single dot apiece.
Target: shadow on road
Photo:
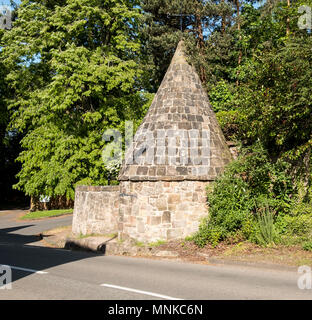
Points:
(16, 250)
(8, 237)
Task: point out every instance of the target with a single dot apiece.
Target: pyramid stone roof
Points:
(179, 138)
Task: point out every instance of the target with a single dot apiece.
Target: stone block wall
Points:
(96, 210)
(151, 211)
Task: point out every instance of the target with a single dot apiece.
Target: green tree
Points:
(281, 109)
(167, 22)
(74, 70)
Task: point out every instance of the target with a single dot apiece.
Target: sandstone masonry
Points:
(150, 211)
(162, 192)
(96, 210)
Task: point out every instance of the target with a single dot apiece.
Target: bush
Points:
(229, 123)
(207, 234)
(294, 225)
(266, 231)
(221, 96)
(248, 227)
(307, 246)
(249, 184)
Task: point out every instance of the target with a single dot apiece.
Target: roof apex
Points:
(179, 55)
(179, 110)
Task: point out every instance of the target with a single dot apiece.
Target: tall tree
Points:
(74, 70)
(166, 22)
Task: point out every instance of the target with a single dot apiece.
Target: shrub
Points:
(248, 184)
(294, 230)
(307, 246)
(248, 227)
(229, 123)
(302, 208)
(266, 232)
(207, 234)
(221, 96)
(294, 225)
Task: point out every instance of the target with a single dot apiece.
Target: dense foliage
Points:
(262, 101)
(250, 186)
(74, 71)
(70, 69)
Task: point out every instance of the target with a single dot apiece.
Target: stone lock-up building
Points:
(178, 149)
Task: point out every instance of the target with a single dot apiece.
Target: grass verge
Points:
(46, 214)
(92, 235)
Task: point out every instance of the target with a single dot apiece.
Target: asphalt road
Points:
(9, 221)
(46, 273)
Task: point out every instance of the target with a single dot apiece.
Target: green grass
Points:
(46, 214)
(139, 244)
(151, 244)
(110, 235)
(189, 238)
(157, 243)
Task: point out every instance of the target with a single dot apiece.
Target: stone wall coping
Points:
(168, 178)
(97, 188)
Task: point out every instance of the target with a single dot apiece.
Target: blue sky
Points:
(7, 2)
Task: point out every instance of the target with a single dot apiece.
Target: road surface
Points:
(47, 273)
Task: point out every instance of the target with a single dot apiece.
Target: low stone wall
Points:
(151, 211)
(96, 210)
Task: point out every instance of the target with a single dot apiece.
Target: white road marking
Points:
(25, 269)
(139, 291)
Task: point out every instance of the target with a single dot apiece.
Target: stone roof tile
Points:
(179, 138)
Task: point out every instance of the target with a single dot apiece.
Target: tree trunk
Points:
(200, 44)
(240, 54)
(288, 20)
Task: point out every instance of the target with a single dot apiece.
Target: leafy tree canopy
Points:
(74, 71)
